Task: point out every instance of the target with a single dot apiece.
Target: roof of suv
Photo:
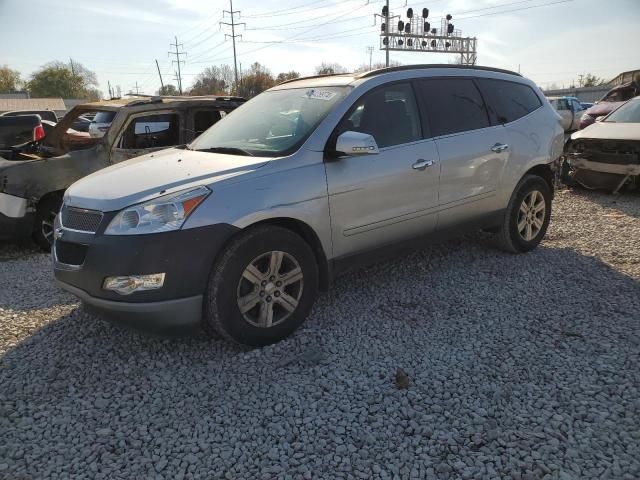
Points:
(347, 78)
(159, 100)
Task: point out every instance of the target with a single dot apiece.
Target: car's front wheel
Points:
(261, 288)
(46, 214)
(527, 216)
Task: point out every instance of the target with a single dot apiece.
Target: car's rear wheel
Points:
(527, 216)
(261, 288)
(46, 214)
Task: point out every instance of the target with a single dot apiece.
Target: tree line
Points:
(74, 80)
(54, 79)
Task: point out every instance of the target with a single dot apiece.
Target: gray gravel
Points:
(457, 361)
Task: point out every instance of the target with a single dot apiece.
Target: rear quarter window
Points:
(509, 101)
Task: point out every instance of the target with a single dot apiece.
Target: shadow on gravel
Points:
(627, 202)
(14, 250)
(548, 326)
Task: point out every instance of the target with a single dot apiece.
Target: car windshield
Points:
(627, 113)
(275, 123)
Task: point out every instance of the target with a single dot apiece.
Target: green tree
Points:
(58, 79)
(592, 81)
(168, 90)
(284, 76)
(9, 80)
(255, 81)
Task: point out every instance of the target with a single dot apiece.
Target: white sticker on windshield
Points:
(320, 94)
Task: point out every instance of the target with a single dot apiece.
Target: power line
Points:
(370, 52)
(284, 11)
(514, 10)
(177, 61)
(233, 35)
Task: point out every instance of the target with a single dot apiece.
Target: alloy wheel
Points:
(269, 289)
(47, 226)
(531, 215)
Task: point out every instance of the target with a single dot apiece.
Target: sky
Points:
(549, 41)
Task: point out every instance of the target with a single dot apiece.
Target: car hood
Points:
(155, 174)
(603, 108)
(609, 131)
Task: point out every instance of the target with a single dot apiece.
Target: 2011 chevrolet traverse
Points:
(238, 230)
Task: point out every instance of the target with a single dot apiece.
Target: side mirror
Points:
(356, 143)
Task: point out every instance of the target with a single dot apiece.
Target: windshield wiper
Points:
(229, 150)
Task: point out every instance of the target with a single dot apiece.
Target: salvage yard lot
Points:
(519, 366)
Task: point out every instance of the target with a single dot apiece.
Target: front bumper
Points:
(16, 217)
(163, 316)
(15, 228)
(82, 261)
(617, 168)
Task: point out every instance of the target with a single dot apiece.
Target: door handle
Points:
(499, 147)
(422, 164)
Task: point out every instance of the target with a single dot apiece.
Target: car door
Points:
(562, 107)
(148, 132)
(473, 153)
(577, 113)
(377, 199)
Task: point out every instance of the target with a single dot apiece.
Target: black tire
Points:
(46, 213)
(222, 315)
(509, 237)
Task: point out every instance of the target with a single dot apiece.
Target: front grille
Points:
(621, 152)
(80, 219)
(70, 253)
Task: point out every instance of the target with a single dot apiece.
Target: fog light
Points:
(126, 285)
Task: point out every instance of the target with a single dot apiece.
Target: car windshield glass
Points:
(627, 113)
(275, 123)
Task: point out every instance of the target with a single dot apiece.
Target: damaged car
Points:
(34, 176)
(607, 104)
(606, 155)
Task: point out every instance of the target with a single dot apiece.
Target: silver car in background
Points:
(237, 231)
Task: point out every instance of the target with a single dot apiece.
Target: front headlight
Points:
(161, 214)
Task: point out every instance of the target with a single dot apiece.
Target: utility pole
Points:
(160, 75)
(370, 50)
(110, 92)
(580, 80)
(73, 71)
(177, 53)
(137, 90)
(387, 13)
(233, 36)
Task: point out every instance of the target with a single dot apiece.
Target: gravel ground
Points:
(457, 361)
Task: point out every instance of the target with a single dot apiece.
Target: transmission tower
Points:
(416, 34)
(177, 61)
(232, 13)
(370, 52)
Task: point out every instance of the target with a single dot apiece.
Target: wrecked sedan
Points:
(34, 176)
(606, 154)
(607, 104)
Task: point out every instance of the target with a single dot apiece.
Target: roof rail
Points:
(434, 65)
(315, 76)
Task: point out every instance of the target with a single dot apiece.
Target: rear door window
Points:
(453, 105)
(152, 131)
(509, 101)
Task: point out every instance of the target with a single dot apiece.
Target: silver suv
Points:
(238, 231)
